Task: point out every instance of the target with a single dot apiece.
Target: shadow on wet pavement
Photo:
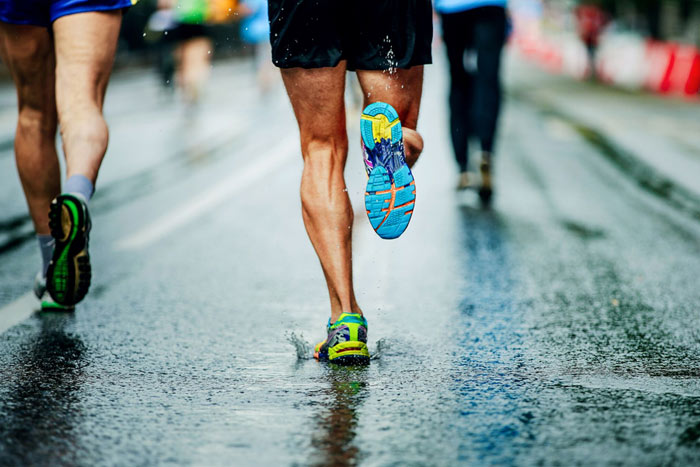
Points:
(333, 436)
(41, 407)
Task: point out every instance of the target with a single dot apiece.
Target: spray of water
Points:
(302, 347)
(382, 347)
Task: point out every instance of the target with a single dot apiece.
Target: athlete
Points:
(60, 54)
(476, 29)
(386, 42)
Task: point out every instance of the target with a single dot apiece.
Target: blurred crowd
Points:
(624, 42)
(636, 44)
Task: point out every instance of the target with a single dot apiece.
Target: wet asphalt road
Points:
(560, 327)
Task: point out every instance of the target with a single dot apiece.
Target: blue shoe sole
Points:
(389, 197)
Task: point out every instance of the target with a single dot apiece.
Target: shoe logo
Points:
(341, 334)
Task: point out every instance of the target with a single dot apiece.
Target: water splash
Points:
(302, 347)
(382, 347)
(391, 57)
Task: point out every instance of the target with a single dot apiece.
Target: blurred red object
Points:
(685, 75)
(661, 57)
(591, 21)
(673, 68)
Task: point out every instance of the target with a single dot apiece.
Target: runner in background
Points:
(194, 49)
(590, 22)
(474, 32)
(60, 55)
(255, 31)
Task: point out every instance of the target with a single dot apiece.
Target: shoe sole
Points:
(69, 273)
(389, 197)
(47, 306)
(349, 353)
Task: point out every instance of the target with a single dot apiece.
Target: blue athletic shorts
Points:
(45, 12)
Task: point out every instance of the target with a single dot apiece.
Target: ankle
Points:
(80, 185)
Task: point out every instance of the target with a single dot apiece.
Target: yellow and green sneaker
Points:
(346, 343)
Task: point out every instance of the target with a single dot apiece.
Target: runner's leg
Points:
(402, 89)
(85, 48)
(489, 38)
(457, 29)
(317, 96)
(85, 44)
(28, 52)
(195, 65)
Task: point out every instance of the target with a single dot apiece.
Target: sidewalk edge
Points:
(631, 165)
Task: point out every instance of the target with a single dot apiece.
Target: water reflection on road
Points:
(42, 409)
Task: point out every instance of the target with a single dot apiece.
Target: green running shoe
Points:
(346, 343)
(46, 302)
(69, 273)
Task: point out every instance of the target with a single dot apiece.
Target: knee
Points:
(38, 122)
(31, 54)
(77, 106)
(80, 92)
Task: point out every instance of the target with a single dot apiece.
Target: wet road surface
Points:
(559, 327)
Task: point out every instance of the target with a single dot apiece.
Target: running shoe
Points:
(46, 302)
(346, 343)
(464, 181)
(391, 192)
(69, 273)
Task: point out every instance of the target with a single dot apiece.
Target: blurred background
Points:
(557, 325)
(643, 44)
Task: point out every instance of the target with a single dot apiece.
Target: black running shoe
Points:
(69, 273)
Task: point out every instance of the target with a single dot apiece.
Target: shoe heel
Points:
(384, 112)
(349, 353)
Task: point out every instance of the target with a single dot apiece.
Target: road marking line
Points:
(22, 308)
(211, 198)
(17, 311)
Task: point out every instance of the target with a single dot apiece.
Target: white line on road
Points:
(266, 163)
(208, 200)
(17, 311)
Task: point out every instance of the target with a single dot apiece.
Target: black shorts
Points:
(369, 34)
(187, 31)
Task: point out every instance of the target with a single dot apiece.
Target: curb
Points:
(646, 176)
